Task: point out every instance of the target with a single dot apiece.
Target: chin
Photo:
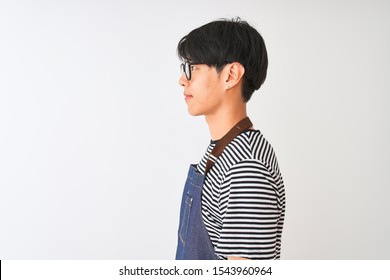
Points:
(194, 113)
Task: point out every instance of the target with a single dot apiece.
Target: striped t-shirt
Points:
(243, 199)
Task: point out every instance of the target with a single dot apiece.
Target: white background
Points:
(95, 138)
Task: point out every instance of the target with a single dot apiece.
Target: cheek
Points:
(211, 84)
(207, 87)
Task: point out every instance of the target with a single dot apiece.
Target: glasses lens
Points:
(188, 71)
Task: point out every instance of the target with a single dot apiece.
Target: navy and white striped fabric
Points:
(243, 202)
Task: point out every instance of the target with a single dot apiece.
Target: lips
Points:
(187, 96)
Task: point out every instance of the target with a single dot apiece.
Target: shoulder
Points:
(251, 145)
(250, 171)
(247, 150)
(250, 152)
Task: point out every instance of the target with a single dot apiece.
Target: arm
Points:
(251, 213)
(232, 258)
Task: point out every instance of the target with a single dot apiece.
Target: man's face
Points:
(203, 93)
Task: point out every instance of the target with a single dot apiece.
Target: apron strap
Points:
(225, 140)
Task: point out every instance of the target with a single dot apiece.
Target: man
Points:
(233, 201)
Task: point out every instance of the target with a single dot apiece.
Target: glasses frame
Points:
(186, 68)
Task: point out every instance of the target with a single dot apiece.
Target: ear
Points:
(235, 71)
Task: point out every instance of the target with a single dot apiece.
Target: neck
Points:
(221, 123)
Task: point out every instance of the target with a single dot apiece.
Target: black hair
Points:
(224, 41)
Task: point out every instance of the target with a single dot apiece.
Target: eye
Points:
(193, 67)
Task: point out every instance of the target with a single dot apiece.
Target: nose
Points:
(183, 80)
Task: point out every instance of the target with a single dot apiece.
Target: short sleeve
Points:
(251, 214)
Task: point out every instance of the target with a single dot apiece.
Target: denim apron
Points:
(193, 239)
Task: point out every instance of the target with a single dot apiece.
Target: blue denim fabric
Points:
(193, 241)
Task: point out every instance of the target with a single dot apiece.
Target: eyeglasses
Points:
(186, 68)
